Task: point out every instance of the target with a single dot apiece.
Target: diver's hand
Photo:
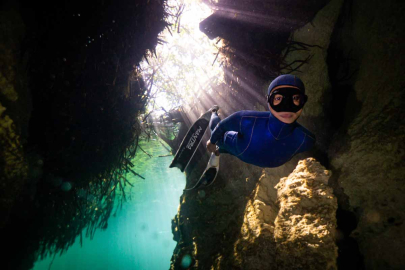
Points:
(211, 147)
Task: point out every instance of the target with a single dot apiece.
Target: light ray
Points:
(254, 17)
(246, 87)
(184, 65)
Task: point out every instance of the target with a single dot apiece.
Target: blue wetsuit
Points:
(259, 138)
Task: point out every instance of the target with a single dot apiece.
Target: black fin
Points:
(191, 142)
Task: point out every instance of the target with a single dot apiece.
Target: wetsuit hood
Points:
(287, 79)
(279, 129)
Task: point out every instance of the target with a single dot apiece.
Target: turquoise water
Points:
(140, 236)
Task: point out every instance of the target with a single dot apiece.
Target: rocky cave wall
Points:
(15, 107)
(355, 108)
(70, 97)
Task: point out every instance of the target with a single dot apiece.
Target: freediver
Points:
(264, 139)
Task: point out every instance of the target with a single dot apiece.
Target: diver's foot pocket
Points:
(209, 175)
(207, 178)
(214, 160)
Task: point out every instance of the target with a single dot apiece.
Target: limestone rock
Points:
(355, 108)
(256, 238)
(305, 225)
(356, 100)
(208, 227)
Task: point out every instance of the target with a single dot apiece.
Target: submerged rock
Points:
(305, 225)
(292, 225)
(355, 108)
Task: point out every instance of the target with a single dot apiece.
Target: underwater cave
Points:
(109, 111)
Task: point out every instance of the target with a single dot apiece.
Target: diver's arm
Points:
(231, 123)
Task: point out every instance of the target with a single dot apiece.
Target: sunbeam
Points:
(183, 68)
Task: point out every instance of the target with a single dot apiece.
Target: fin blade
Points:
(190, 142)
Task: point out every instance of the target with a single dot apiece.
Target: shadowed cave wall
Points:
(70, 95)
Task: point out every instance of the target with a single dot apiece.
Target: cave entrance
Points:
(181, 73)
(177, 75)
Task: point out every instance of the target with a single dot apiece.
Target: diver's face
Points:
(285, 117)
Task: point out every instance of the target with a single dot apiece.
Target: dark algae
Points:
(79, 62)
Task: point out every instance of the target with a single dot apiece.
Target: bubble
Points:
(186, 261)
(66, 186)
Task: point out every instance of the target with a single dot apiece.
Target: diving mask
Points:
(287, 99)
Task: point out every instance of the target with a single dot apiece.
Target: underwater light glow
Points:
(183, 68)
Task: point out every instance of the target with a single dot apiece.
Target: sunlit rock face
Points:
(282, 224)
(291, 224)
(355, 108)
(256, 238)
(306, 222)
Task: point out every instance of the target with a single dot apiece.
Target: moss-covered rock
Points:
(14, 110)
(14, 169)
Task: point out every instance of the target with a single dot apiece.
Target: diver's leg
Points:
(210, 173)
(214, 122)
